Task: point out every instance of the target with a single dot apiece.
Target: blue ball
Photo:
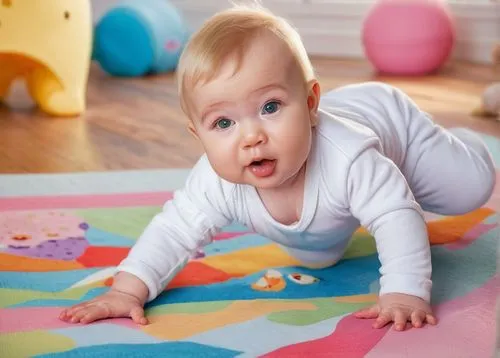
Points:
(137, 38)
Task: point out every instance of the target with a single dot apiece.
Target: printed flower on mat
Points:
(302, 279)
(272, 280)
(44, 234)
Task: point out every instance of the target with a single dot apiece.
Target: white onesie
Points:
(376, 161)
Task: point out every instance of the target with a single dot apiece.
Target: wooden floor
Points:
(137, 123)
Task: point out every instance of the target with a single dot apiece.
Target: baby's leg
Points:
(450, 172)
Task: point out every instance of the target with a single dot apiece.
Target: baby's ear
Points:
(191, 129)
(313, 97)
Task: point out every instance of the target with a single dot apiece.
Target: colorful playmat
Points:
(62, 235)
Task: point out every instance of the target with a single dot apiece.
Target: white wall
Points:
(99, 7)
(333, 27)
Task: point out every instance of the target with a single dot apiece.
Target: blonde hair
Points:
(230, 32)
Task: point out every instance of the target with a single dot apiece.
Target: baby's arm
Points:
(379, 196)
(187, 222)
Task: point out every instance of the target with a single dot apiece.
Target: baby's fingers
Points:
(383, 319)
(78, 315)
(400, 318)
(370, 312)
(63, 316)
(417, 318)
(68, 313)
(137, 315)
(94, 313)
(431, 319)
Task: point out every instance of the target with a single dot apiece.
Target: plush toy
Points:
(490, 100)
(48, 43)
(137, 38)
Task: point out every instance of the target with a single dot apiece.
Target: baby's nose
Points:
(254, 137)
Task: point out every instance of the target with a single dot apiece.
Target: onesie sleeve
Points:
(187, 222)
(380, 198)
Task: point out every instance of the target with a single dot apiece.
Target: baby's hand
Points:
(112, 304)
(399, 308)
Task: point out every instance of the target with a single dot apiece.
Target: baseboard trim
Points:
(325, 43)
(478, 25)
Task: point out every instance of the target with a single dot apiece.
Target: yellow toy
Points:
(49, 44)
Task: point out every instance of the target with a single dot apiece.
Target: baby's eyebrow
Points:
(269, 87)
(212, 107)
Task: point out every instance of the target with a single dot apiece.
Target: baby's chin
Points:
(259, 183)
(270, 183)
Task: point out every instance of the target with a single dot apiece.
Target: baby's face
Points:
(256, 123)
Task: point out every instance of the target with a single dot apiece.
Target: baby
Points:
(302, 169)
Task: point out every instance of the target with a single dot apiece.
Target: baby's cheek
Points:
(230, 172)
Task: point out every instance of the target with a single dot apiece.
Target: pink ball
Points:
(408, 37)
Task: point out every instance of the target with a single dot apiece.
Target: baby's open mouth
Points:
(258, 162)
(261, 162)
(263, 167)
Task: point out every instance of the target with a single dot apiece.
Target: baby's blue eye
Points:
(224, 123)
(271, 107)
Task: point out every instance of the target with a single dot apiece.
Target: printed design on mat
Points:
(272, 280)
(43, 234)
